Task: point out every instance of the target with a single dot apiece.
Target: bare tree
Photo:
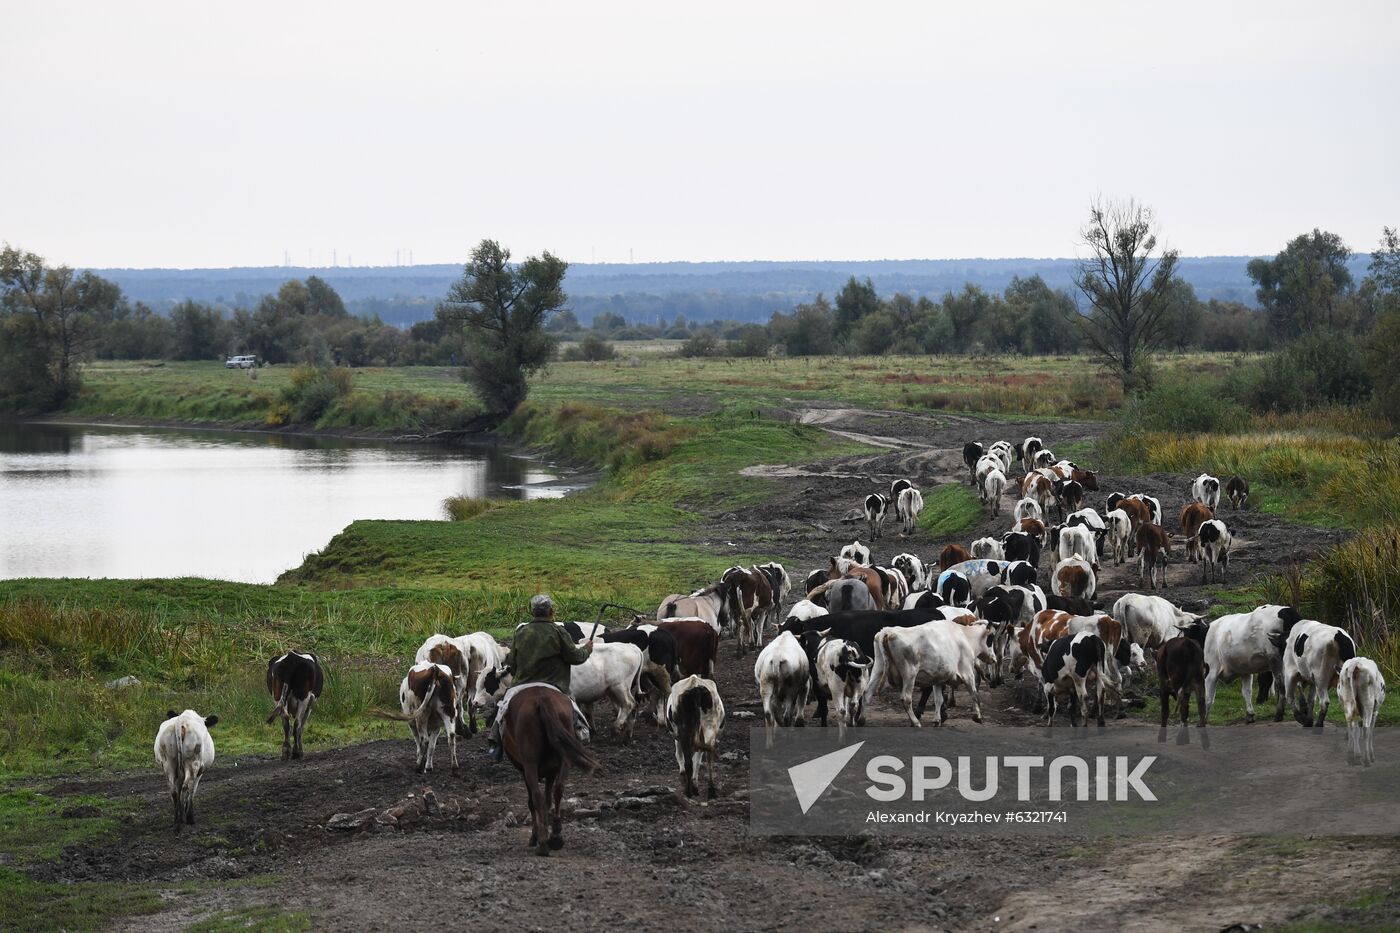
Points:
(1128, 287)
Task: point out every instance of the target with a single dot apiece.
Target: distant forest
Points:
(656, 293)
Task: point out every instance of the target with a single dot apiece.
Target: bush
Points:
(310, 394)
(592, 349)
(751, 341)
(1315, 371)
(463, 508)
(702, 344)
(1194, 405)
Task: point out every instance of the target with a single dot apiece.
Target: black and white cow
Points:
(695, 716)
(783, 674)
(295, 681)
(1021, 545)
(913, 570)
(842, 677)
(1216, 542)
(1244, 644)
(875, 507)
(1206, 488)
(1074, 664)
(1312, 657)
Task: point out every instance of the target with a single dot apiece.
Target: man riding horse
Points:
(542, 653)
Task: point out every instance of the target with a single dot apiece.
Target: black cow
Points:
(972, 452)
(1181, 669)
(860, 627)
(295, 681)
(1071, 604)
(1018, 545)
(1069, 496)
(660, 660)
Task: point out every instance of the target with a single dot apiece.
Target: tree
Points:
(197, 331)
(1047, 316)
(1127, 286)
(503, 310)
(1385, 269)
(64, 312)
(1302, 286)
(808, 331)
(853, 302)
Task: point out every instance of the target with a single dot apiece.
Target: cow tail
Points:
(418, 715)
(564, 742)
(281, 708)
(880, 663)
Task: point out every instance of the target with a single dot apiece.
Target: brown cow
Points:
(1035, 528)
(697, 645)
(750, 602)
(1181, 670)
(873, 580)
(296, 682)
(1153, 546)
(1238, 491)
(1089, 479)
(952, 554)
(1193, 515)
(1139, 513)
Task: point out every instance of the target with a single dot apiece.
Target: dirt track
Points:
(649, 858)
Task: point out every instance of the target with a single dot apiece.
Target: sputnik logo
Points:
(811, 778)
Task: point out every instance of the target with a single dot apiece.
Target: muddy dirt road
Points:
(638, 856)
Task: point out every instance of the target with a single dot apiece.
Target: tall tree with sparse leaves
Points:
(503, 310)
(1128, 285)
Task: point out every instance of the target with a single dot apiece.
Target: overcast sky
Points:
(201, 134)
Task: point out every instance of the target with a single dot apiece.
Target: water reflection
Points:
(137, 502)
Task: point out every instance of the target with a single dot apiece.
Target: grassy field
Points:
(412, 399)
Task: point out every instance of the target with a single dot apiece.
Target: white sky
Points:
(202, 134)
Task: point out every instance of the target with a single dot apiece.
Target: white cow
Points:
(1244, 644)
(843, 674)
(1206, 488)
(782, 672)
(1312, 656)
(855, 551)
(1027, 508)
(183, 751)
(1151, 621)
(614, 671)
(908, 507)
(1361, 690)
(1002, 451)
(695, 716)
(805, 609)
(1120, 535)
(483, 654)
(933, 655)
(993, 486)
(987, 548)
(913, 570)
(1078, 541)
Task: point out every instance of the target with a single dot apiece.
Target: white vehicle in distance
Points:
(241, 362)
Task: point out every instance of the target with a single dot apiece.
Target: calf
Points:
(483, 655)
(987, 549)
(1074, 578)
(1038, 487)
(896, 488)
(1193, 515)
(1361, 690)
(937, 654)
(428, 700)
(1215, 540)
(1312, 656)
(1073, 663)
(907, 508)
(783, 676)
(952, 554)
(1181, 670)
(613, 671)
(183, 751)
(972, 452)
(1206, 488)
(993, 487)
(1154, 545)
(440, 649)
(913, 570)
(1139, 514)
(842, 677)
(1238, 491)
(875, 507)
(695, 716)
(1248, 643)
(295, 681)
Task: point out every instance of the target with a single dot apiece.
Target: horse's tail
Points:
(564, 741)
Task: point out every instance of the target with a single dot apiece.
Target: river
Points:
(86, 501)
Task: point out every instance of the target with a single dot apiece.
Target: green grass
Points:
(35, 827)
(26, 904)
(267, 918)
(950, 510)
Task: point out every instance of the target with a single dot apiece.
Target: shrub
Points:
(591, 349)
(1318, 370)
(752, 341)
(702, 344)
(1184, 407)
(463, 508)
(310, 394)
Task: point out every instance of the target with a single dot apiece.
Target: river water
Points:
(84, 501)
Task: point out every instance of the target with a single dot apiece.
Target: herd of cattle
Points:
(975, 617)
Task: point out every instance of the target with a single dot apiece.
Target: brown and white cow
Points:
(295, 681)
(750, 603)
(1193, 515)
(1153, 545)
(1139, 514)
(428, 699)
(1074, 577)
(441, 649)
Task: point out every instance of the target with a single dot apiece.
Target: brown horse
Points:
(840, 567)
(538, 736)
